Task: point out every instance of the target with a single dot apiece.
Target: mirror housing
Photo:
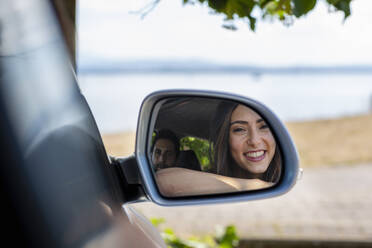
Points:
(146, 122)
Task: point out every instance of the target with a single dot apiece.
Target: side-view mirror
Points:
(196, 147)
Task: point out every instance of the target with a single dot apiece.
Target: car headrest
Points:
(187, 159)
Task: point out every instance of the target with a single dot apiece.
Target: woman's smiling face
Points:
(252, 144)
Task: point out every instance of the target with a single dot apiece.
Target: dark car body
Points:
(59, 188)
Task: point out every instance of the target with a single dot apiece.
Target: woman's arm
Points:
(183, 182)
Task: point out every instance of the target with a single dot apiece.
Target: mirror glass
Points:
(202, 146)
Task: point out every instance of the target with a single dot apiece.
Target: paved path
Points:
(327, 203)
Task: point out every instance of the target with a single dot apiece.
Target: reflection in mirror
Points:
(205, 146)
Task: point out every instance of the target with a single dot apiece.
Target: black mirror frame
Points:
(290, 159)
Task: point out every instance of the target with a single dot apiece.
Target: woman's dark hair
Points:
(222, 162)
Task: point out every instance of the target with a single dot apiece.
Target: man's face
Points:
(164, 154)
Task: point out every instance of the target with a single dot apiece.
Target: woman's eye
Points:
(264, 126)
(238, 129)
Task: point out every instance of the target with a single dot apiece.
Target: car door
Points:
(59, 188)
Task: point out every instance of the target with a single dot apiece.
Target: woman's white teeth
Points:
(255, 154)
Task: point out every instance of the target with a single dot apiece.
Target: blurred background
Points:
(316, 74)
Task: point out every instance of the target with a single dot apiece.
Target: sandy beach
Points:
(342, 141)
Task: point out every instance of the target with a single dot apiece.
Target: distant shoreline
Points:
(150, 69)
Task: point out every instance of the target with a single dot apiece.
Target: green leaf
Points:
(262, 3)
(242, 8)
(252, 23)
(271, 6)
(218, 5)
(342, 5)
(281, 9)
(302, 7)
(235, 8)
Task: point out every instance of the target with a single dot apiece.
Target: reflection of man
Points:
(165, 150)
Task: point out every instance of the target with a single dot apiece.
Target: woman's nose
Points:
(253, 139)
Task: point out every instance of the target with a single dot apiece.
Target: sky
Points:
(173, 31)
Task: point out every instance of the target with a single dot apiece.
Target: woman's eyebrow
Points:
(245, 122)
(238, 122)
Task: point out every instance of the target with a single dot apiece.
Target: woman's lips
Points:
(255, 156)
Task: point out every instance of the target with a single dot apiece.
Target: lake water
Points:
(115, 99)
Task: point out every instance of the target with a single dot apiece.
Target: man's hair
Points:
(168, 135)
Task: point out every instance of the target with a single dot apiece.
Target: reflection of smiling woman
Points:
(244, 146)
(244, 157)
(252, 145)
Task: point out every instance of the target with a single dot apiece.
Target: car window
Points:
(315, 74)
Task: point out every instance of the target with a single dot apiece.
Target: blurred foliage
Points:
(252, 10)
(157, 221)
(200, 147)
(227, 237)
(223, 238)
(153, 137)
(283, 10)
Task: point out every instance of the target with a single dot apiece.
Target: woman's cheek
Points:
(270, 143)
(269, 138)
(234, 144)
